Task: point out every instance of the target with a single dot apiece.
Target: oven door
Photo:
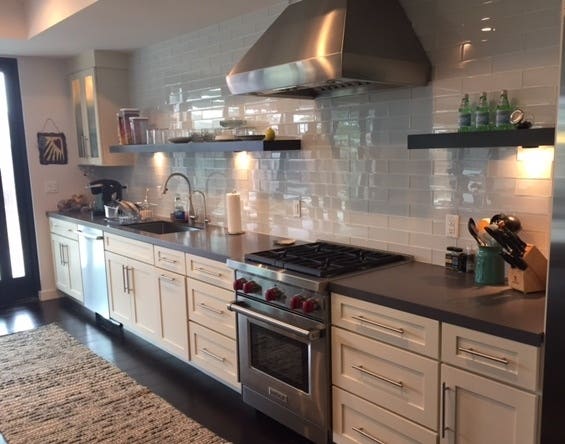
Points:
(284, 359)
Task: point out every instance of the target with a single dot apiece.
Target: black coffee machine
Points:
(104, 191)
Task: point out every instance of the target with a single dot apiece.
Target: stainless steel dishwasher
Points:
(93, 268)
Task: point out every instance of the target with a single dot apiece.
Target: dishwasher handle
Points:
(88, 236)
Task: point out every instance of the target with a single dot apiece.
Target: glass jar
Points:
(489, 266)
(139, 130)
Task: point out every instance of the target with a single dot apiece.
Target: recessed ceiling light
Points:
(484, 19)
(487, 29)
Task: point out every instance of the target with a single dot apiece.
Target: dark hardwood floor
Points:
(190, 391)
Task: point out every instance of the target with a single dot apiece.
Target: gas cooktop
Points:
(324, 259)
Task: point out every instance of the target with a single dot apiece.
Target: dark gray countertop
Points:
(212, 242)
(422, 289)
(448, 296)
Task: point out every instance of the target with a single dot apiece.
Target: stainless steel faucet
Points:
(191, 214)
(206, 220)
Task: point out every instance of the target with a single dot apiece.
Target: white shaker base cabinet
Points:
(133, 290)
(477, 410)
(358, 421)
(66, 262)
(174, 327)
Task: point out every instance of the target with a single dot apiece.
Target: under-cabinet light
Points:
(535, 162)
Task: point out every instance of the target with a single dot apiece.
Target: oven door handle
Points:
(311, 335)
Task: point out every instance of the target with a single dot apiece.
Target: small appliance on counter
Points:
(104, 192)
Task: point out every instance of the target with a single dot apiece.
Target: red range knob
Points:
(309, 305)
(272, 294)
(296, 301)
(238, 283)
(250, 287)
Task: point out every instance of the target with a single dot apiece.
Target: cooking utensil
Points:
(472, 227)
(513, 223)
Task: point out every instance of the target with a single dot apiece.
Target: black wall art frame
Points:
(52, 148)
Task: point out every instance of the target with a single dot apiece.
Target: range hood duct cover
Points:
(333, 47)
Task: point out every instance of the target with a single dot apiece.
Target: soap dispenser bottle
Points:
(179, 213)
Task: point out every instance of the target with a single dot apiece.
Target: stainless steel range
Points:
(283, 318)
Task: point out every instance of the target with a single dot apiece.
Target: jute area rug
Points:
(55, 390)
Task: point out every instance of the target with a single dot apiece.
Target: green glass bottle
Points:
(465, 113)
(482, 114)
(503, 111)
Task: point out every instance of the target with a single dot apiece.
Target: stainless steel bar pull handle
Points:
(61, 258)
(166, 259)
(127, 278)
(213, 355)
(167, 278)
(474, 352)
(367, 435)
(308, 334)
(398, 384)
(212, 309)
(378, 324)
(444, 389)
(211, 273)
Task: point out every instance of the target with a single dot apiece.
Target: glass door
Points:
(19, 276)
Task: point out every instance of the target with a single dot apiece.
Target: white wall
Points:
(42, 14)
(12, 20)
(46, 93)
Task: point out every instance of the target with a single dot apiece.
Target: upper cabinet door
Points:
(92, 121)
(99, 88)
(78, 112)
(83, 88)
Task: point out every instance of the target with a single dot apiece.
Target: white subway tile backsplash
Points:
(359, 183)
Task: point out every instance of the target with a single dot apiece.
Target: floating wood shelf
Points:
(483, 139)
(212, 147)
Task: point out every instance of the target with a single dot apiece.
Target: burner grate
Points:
(323, 259)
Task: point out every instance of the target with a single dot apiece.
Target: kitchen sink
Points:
(161, 227)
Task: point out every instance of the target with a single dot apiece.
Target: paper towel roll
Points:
(233, 213)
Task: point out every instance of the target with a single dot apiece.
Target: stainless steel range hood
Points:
(332, 47)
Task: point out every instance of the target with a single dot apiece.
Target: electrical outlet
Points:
(452, 225)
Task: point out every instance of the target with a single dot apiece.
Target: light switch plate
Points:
(452, 225)
(51, 186)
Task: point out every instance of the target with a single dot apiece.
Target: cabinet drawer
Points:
(63, 228)
(207, 270)
(404, 330)
(214, 353)
(207, 306)
(168, 259)
(141, 251)
(395, 379)
(498, 358)
(358, 421)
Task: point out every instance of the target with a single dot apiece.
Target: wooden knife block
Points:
(533, 278)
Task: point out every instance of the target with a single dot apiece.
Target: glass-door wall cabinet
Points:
(99, 88)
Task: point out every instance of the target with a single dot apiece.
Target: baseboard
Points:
(48, 295)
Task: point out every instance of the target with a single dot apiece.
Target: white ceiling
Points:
(121, 24)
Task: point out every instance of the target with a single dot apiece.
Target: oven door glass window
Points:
(279, 356)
